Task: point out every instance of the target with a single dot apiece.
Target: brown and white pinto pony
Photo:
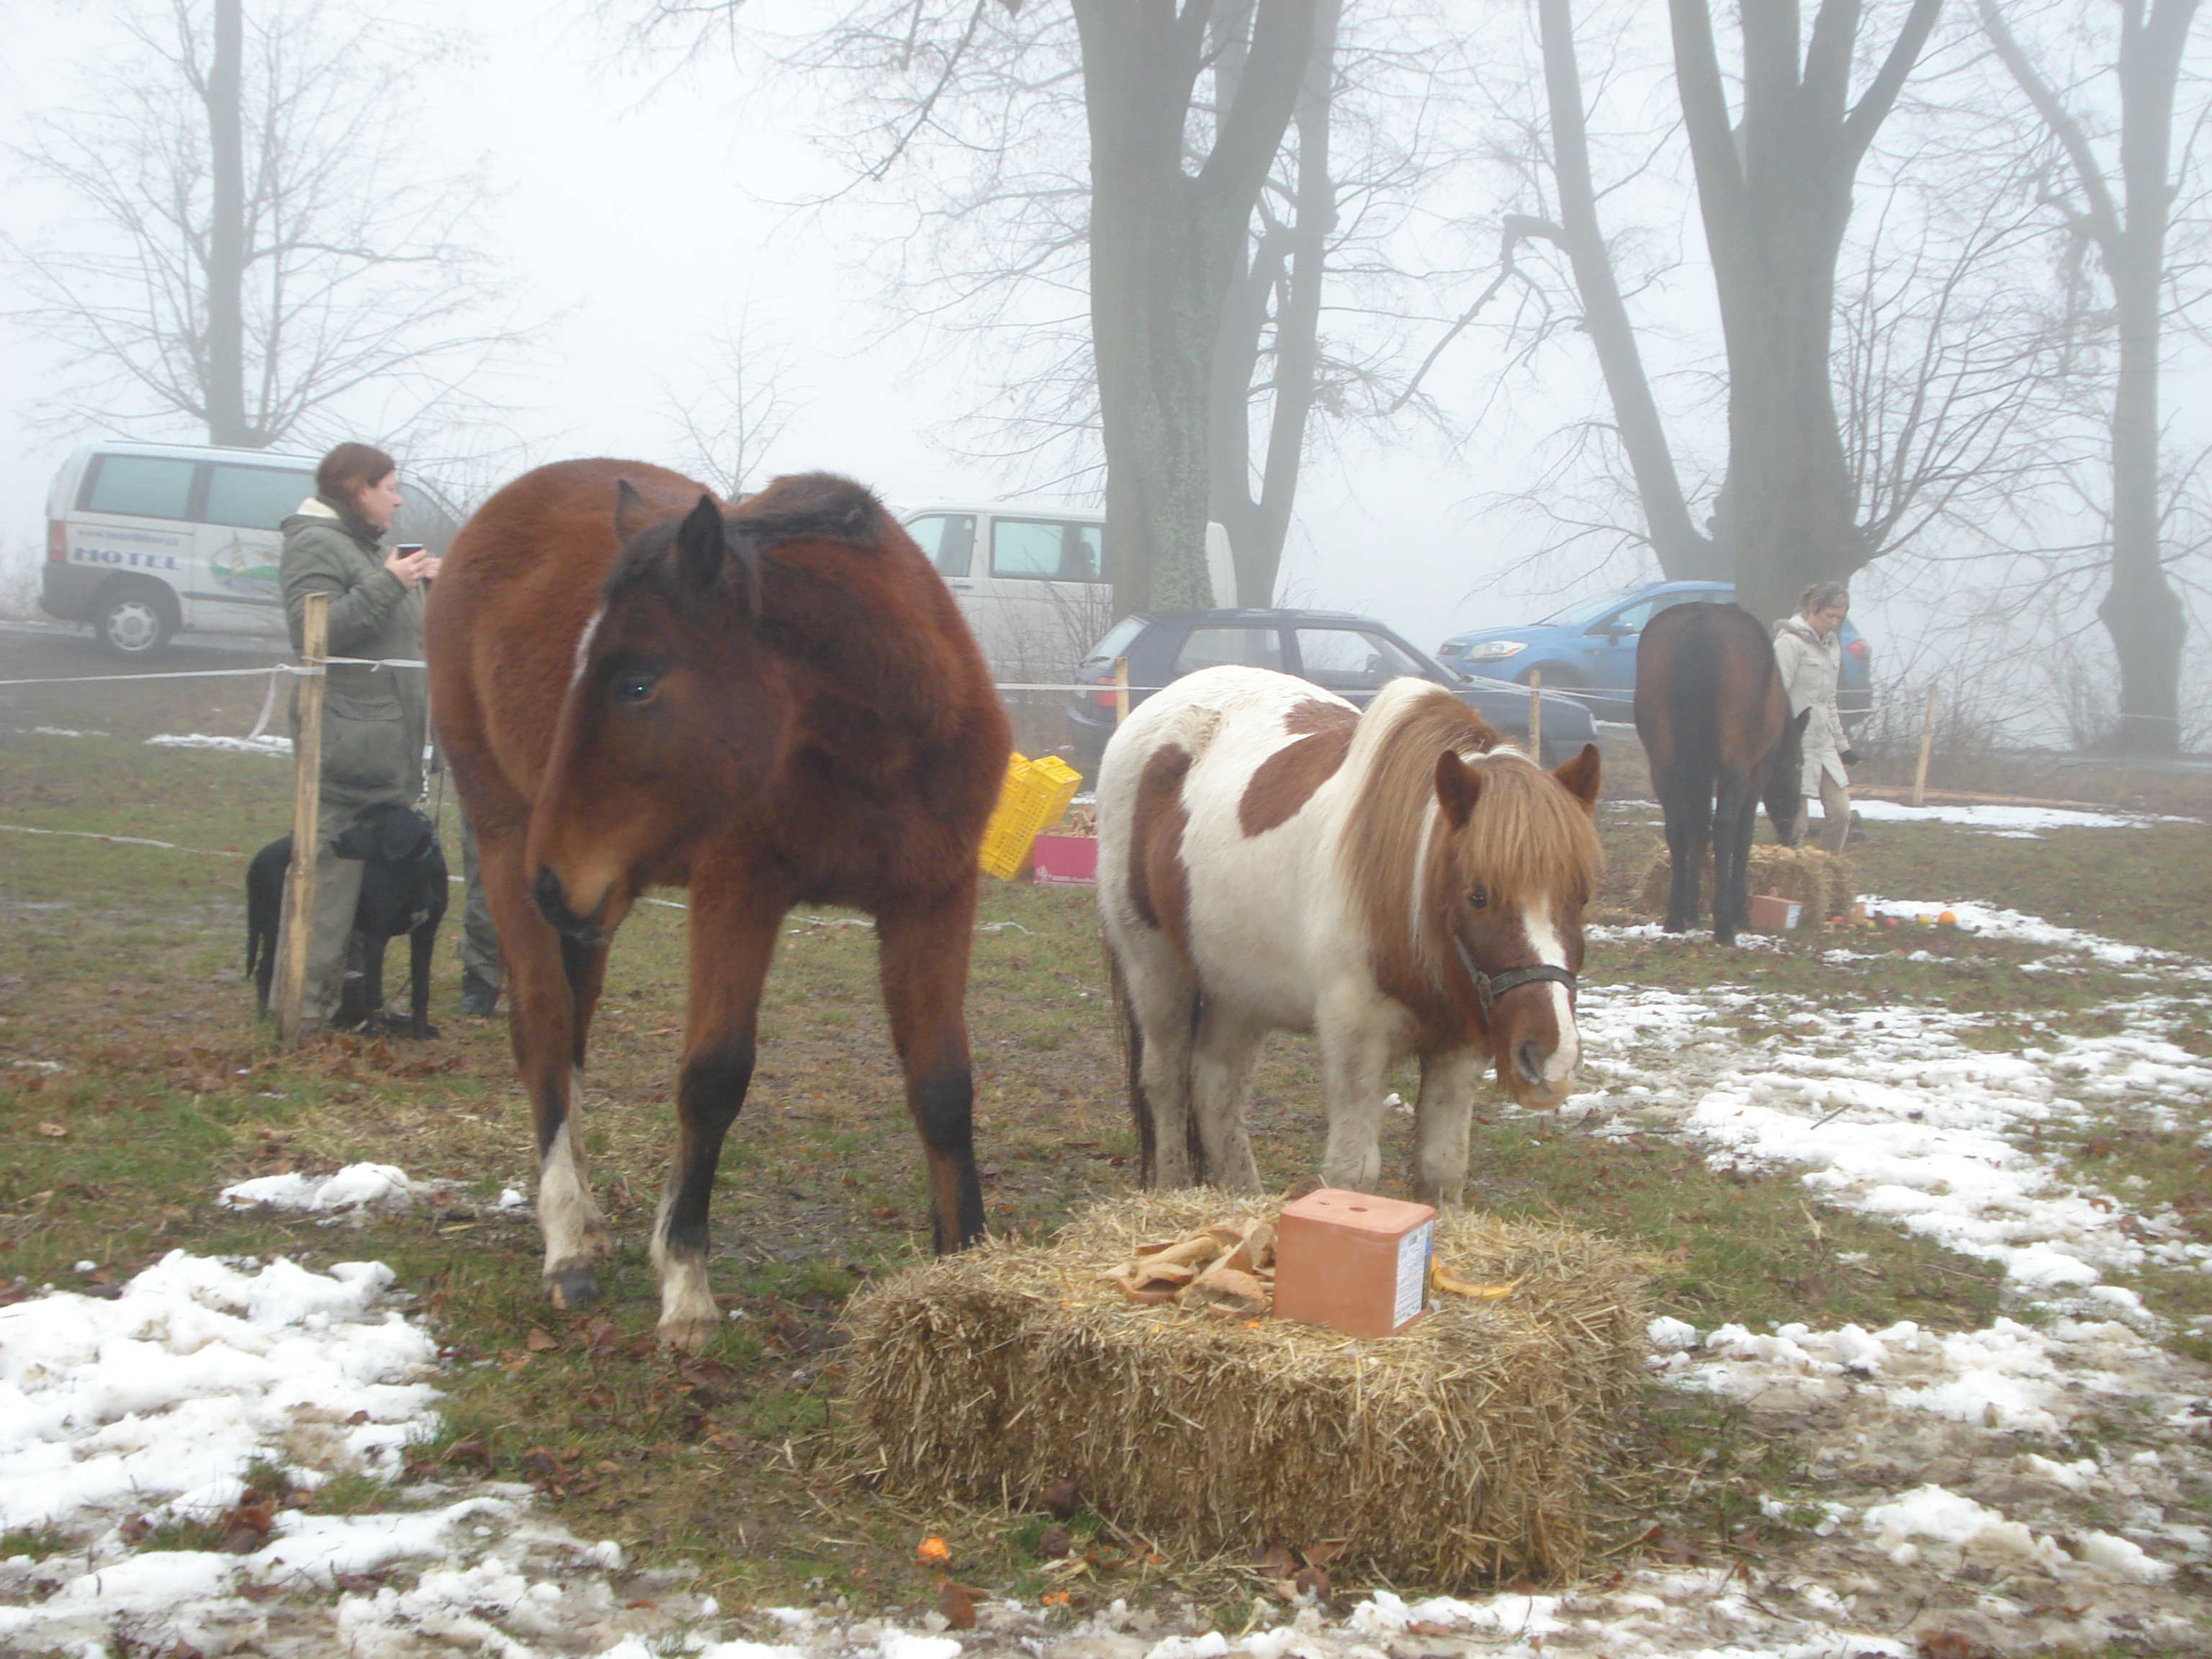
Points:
(773, 705)
(1398, 883)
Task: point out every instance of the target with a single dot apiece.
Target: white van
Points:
(1033, 579)
(145, 540)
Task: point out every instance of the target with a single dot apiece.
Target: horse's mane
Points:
(798, 507)
(1527, 835)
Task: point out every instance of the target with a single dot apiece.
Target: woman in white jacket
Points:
(1809, 651)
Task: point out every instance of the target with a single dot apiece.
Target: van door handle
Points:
(964, 587)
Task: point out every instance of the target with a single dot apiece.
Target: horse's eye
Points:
(1479, 898)
(635, 688)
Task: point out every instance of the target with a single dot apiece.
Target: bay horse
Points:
(1717, 727)
(1397, 882)
(770, 705)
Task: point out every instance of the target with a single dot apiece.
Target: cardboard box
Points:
(1774, 915)
(1065, 860)
(1354, 1262)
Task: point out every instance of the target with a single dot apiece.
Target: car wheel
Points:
(133, 620)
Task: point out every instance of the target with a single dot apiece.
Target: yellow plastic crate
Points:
(1034, 794)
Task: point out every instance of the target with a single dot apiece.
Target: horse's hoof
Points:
(572, 1289)
(684, 1335)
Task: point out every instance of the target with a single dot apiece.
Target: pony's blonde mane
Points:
(1527, 836)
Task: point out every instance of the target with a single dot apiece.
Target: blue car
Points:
(1590, 649)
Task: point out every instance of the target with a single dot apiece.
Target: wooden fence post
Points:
(1927, 742)
(307, 811)
(1121, 690)
(1536, 715)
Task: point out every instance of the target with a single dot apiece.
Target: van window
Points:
(948, 540)
(255, 497)
(143, 486)
(1050, 549)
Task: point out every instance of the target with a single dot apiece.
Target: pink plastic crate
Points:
(1065, 860)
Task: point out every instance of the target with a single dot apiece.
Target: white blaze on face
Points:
(584, 645)
(1544, 940)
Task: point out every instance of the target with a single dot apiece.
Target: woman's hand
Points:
(1848, 756)
(411, 568)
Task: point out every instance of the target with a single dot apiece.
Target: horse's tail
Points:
(1695, 684)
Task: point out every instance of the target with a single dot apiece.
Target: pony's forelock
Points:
(1527, 836)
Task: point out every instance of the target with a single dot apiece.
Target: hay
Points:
(1459, 1449)
(1821, 881)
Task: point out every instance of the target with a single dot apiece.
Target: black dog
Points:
(402, 890)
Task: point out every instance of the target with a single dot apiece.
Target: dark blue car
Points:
(1590, 647)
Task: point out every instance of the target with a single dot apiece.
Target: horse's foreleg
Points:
(732, 939)
(541, 1028)
(1440, 1125)
(922, 956)
(1355, 1056)
(1220, 1080)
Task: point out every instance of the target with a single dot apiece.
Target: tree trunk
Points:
(2140, 611)
(1684, 554)
(1163, 248)
(1774, 201)
(223, 362)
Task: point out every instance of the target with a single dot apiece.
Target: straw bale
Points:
(1821, 881)
(1459, 1449)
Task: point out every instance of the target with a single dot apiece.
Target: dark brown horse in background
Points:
(772, 706)
(1717, 728)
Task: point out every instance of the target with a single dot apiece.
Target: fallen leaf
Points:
(1312, 1581)
(933, 1551)
(1054, 1544)
(1059, 1498)
(958, 1607)
(540, 1340)
(54, 1130)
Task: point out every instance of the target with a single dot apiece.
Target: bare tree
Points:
(1169, 212)
(1774, 187)
(261, 253)
(2125, 212)
(733, 420)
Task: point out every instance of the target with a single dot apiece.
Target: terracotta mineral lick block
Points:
(1354, 1262)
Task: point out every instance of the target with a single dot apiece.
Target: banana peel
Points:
(1443, 1278)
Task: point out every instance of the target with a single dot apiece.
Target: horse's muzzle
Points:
(552, 901)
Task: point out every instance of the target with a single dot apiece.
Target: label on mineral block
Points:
(1413, 1273)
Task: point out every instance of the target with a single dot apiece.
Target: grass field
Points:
(135, 1081)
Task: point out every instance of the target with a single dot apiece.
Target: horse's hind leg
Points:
(922, 958)
(1355, 1056)
(1687, 807)
(1732, 824)
(542, 1028)
(1221, 1080)
(1163, 1008)
(732, 939)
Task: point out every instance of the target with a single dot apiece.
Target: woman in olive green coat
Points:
(374, 719)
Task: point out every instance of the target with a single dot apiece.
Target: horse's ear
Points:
(630, 510)
(1580, 776)
(700, 546)
(1458, 785)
